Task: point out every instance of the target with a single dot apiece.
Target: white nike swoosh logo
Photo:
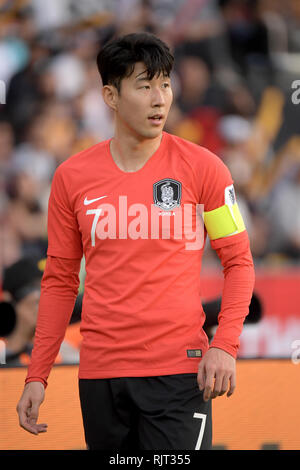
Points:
(86, 202)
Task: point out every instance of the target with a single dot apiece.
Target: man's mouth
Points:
(156, 118)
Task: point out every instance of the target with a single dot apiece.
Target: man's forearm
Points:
(59, 289)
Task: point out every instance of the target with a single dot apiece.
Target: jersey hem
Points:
(109, 374)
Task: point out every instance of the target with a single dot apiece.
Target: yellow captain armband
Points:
(225, 220)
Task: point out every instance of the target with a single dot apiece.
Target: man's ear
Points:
(110, 96)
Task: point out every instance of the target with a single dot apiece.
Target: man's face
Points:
(142, 105)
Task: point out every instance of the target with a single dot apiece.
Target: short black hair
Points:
(116, 60)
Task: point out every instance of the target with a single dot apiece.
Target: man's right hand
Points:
(28, 407)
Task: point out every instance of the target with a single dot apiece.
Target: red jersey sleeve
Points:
(234, 253)
(64, 238)
(59, 289)
(217, 180)
(239, 278)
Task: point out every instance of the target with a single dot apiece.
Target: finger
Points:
(32, 417)
(34, 428)
(208, 386)
(23, 418)
(225, 385)
(201, 378)
(218, 385)
(33, 413)
(29, 427)
(232, 385)
(42, 427)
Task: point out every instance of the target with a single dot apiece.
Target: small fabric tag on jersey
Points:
(194, 352)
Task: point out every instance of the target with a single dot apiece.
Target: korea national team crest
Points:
(167, 194)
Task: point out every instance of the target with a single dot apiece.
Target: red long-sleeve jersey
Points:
(143, 236)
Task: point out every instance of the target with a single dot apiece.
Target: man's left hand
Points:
(217, 373)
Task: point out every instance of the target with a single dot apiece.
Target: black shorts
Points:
(145, 413)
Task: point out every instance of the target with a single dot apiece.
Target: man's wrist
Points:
(36, 379)
(228, 349)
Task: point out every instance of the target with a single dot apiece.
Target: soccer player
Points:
(133, 206)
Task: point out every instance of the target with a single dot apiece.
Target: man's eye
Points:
(166, 85)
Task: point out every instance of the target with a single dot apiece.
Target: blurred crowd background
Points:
(235, 65)
(235, 82)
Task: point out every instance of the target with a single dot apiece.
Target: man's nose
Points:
(157, 97)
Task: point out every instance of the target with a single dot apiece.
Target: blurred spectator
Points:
(14, 52)
(9, 246)
(24, 92)
(246, 33)
(27, 189)
(293, 26)
(199, 104)
(25, 216)
(51, 13)
(235, 61)
(21, 287)
(134, 15)
(6, 151)
(284, 216)
(272, 13)
(197, 86)
(236, 132)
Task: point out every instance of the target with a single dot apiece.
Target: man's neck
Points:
(130, 153)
